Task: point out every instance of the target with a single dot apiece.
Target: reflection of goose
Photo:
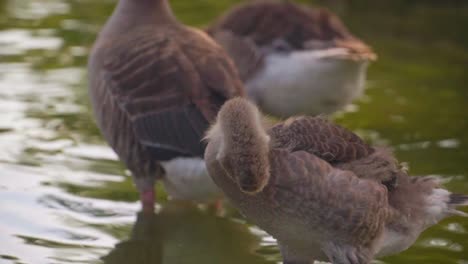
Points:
(314, 185)
(181, 233)
(155, 86)
(294, 59)
(144, 246)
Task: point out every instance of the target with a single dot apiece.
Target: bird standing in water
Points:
(321, 191)
(155, 85)
(294, 59)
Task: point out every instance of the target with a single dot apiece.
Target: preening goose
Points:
(294, 59)
(320, 190)
(155, 85)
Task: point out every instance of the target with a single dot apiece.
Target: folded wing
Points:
(168, 91)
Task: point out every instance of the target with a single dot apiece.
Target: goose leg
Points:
(145, 186)
(216, 208)
(148, 200)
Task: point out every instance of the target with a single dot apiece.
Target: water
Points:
(64, 198)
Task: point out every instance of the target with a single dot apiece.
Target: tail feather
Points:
(458, 199)
(458, 212)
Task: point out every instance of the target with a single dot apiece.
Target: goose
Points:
(293, 59)
(319, 189)
(155, 85)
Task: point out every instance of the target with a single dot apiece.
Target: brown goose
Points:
(317, 189)
(294, 59)
(155, 85)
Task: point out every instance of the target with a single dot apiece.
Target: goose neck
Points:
(244, 148)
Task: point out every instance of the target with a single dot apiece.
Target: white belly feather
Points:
(307, 82)
(188, 179)
(436, 208)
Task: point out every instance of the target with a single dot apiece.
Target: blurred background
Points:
(64, 198)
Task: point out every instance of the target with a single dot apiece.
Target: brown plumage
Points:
(265, 21)
(338, 146)
(155, 85)
(320, 194)
(243, 51)
(268, 40)
(316, 135)
(261, 23)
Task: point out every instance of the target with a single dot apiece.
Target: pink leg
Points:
(147, 199)
(218, 207)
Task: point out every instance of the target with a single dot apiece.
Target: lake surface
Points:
(64, 198)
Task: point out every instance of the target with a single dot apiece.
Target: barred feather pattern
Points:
(155, 91)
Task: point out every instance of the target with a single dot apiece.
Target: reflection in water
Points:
(64, 198)
(182, 233)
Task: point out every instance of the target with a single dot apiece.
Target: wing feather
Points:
(331, 198)
(320, 137)
(263, 22)
(243, 51)
(166, 94)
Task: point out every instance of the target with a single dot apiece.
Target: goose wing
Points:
(265, 22)
(243, 52)
(169, 85)
(320, 137)
(334, 200)
(340, 147)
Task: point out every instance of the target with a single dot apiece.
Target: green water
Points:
(64, 198)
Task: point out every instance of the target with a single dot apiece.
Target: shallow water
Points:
(64, 198)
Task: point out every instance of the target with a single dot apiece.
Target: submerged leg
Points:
(216, 208)
(219, 206)
(148, 200)
(145, 186)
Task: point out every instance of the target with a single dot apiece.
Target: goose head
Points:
(243, 145)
